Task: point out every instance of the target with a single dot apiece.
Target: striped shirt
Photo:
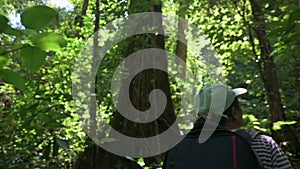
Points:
(270, 154)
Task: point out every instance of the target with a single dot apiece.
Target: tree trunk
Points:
(268, 73)
(181, 48)
(143, 84)
(94, 157)
(79, 18)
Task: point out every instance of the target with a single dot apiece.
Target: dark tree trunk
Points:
(268, 73)
(181, 48)
(79, 18)
(94, 157)
(143, 84)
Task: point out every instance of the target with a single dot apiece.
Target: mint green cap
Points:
(216, 98)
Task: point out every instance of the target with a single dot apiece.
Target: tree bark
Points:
(268, 73)
(79, 18)
(143, 84)
(181, 48)
(94, 157)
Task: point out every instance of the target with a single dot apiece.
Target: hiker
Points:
(226, 147)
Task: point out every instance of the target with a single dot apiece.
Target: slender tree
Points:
(269, 76)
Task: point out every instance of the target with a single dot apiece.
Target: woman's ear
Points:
(235, 114)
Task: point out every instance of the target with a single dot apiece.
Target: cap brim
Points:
(239, 91)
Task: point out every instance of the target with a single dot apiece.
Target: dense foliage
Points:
(40, 127)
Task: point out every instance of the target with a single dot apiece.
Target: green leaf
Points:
(294, 15)
(46, 153)
(63, 143)
(33, 57)
(3, 23)
(11, 31)
(55, 148)
(277, 125)
(37, 17)
(49, 41)
(55, 125)
(12, 78)
(2, 51)
(3, 61)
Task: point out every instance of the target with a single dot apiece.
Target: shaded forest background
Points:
(257, 42)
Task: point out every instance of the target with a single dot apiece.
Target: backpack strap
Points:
(234, 152)
(249, 135)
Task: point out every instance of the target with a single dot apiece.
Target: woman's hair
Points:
(227, 112)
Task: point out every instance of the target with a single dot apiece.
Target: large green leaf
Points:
(2, 51)
(33, 57)
(37, 17)
(49, 41)
(3, 23)
(12, 78)
(12, 31)
(3, 61)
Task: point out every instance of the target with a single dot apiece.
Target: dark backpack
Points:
(223, 150)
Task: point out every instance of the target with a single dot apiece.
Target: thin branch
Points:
(251, 39)
(10, 51)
